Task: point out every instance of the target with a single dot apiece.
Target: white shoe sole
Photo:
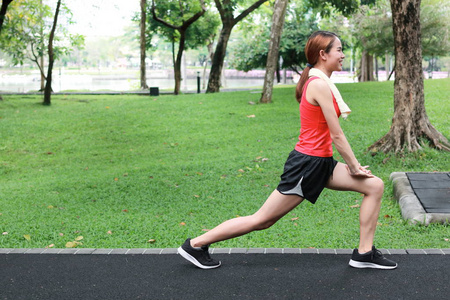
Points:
(192, 259)
(366, 265)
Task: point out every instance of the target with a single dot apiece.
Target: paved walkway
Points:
(244, 274)
(262, 273)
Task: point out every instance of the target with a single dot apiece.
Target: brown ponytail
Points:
(319, 40)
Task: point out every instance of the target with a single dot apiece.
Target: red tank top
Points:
(314, 138)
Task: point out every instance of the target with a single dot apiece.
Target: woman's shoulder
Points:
(319, 90)
(318, 83)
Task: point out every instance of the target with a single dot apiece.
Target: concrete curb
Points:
(160, 251)
(410, 205)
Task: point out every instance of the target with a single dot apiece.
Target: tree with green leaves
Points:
(51, 58)
(229, 15)
(178, 16)
(373, 27)
(410, 122)
(26, 32)
(301, 22)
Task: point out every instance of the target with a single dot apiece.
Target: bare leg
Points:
(275, 207)
(372, 188)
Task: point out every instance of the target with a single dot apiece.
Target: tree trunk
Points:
(41, 56)
(51, 59)
(210, 56)
(386, 65)
(142, 40)
(376, 67)
(366, 67)
(218, 59)
(410, 122)
(177, 68)
(228, 21)
(182, 30)
(3, 10)
(274, 47)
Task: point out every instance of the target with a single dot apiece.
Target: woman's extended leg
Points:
(372, 188)
(275, 207)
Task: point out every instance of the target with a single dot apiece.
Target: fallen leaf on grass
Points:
(296, 218)
(5, 233)
(151, 241)
(355, 206)
(109, 232)
(71, 244)
(75, 243)
(251, 116)
(446, 240)
(182, 223)
(50, 246)
(27, 237)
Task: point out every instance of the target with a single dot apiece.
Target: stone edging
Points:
(410, 205)
(140, 251)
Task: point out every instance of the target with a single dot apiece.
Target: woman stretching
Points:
(310, 167)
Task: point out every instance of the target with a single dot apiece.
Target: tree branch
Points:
(249, 10)
(220, 9)
(3, 9)
(35, 60)
(155, 17)
(185, 24)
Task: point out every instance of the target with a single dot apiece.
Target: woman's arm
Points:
(318, 93)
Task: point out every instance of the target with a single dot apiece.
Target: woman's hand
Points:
(361, 171)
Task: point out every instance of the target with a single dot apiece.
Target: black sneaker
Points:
(373, 259)
(199, 257)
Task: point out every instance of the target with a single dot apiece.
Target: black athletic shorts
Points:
(306, 175)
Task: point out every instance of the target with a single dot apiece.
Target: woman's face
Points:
(335, 57)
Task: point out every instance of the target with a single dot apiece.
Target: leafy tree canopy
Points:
(27, 27)
(373, 26)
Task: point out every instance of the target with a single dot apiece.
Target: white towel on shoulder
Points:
(345, 110)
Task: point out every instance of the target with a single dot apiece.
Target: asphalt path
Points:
(241, 276)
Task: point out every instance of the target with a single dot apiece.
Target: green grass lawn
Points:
(124, 170)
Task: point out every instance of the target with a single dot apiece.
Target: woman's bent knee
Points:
(376, 186)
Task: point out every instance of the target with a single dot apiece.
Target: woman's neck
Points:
(324, 70)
